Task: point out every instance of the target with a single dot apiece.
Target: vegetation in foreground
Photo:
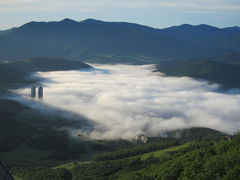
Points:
(212, 159)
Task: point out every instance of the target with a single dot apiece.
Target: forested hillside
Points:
(98, 41)
(15, 73)
(213, 159)
(226, 74)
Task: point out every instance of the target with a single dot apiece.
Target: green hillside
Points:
(13, 74)
(159, 153)
(223, 73)
(203, 160)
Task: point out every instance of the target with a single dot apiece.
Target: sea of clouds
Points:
(124, 100)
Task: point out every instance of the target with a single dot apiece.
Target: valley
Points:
(105, 84)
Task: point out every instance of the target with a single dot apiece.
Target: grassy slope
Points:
(17, 178)
(219, 160)
(154, 154)
(38, 157)
(71, 165)
(160, 153)
(157, 154)
(213, 159)
(144, 156)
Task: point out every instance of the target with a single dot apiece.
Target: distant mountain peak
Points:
(206, 26)
(189, 27)
(67, 20)
(233, 29)
(91, 21)
(185, 25)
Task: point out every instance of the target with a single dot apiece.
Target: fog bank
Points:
(124, 100)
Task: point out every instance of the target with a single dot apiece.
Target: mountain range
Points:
(92, 40)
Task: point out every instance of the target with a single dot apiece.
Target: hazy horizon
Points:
(119, 22)
(154, 13)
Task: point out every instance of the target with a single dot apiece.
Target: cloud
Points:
(186, 4)
(124, 100)
(132, 4)
(45, 5)
(17, 1)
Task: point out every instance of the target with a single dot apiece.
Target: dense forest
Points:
(217, 158)
(224, 70)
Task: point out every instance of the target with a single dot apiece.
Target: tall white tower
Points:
(33, 91)
(40, 92)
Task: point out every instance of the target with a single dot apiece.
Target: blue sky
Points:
(156, 13)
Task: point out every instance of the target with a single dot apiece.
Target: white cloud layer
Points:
(124, 100)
